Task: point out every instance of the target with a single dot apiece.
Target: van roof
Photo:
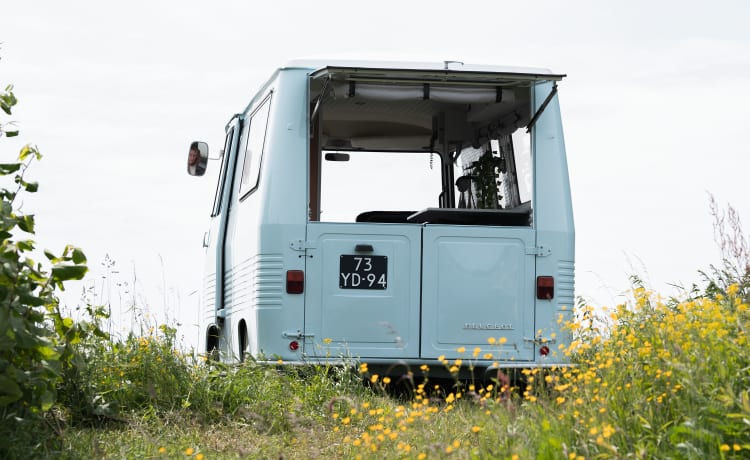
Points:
(316, 65)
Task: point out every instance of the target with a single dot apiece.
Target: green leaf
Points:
(26, 245)
(47, 400)
(9, 168)
(26, 223)
(8, 99)
(6, 103)
(47, 352)
(31, 187)
(63, 272)
(9, 391)
(101, 334)
(78, 256)
(11, 133)
(31, 300)
(51, 257)
(28, 150)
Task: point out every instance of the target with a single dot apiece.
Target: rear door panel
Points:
(477, 283)
(366, 323)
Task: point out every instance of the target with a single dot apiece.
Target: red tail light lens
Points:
(545, 287)
(295, 281)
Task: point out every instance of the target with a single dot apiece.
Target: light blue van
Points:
(392, 213)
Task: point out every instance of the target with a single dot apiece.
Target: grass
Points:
(653, 378)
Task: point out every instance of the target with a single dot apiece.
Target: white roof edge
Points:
(452, 66)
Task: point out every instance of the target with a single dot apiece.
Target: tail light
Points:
(295, 281)
(545, 287)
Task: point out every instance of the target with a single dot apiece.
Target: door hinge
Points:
(301, 245)
(540, 341)
(540, 251)
(298, 335)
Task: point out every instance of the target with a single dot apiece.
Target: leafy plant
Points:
(36, 340)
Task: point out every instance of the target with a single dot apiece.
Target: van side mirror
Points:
(331, 156)
(197, 158)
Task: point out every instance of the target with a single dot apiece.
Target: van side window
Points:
(222, 172)
(256, 137)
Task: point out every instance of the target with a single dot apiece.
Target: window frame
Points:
(254, 176)
(229, 140)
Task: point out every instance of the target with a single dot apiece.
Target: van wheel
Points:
(212, 343)
(242, 336)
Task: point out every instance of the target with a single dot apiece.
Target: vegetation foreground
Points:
(652, 379)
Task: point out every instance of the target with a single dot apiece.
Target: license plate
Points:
(363, 272)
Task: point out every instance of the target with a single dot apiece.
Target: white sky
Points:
(655, 109)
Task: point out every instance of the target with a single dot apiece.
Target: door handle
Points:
(363, 248)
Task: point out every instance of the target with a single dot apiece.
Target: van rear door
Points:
(477, 284)
(363, 290)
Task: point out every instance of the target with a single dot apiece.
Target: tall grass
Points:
(653, 378)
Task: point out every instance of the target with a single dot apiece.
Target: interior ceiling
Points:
(407, 124)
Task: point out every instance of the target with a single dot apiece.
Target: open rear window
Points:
(419, 150)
